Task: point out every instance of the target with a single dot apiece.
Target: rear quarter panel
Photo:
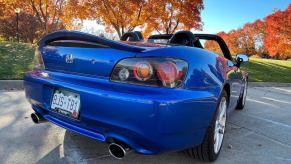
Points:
(206, 70)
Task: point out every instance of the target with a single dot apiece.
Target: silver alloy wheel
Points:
(220, 125)
(245, 94)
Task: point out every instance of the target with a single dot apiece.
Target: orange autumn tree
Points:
(43, 15)
(165, 16)
(48, 12)
(212, 46)
(248, 39)
(28, 23)
(278, 34)
(171, 15)
(251, 36)
(258, 34)
(231, 39)
(122, 16)
(269, 37)
(28, 27)
(6, 11)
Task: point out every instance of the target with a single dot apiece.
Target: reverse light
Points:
(152, 71)
(123, 74)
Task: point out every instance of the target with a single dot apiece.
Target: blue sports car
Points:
(165, 94)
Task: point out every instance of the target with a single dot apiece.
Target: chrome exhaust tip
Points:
(36, 118)
(118, 151)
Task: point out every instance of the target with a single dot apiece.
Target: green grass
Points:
(15, 60)
(268, 70)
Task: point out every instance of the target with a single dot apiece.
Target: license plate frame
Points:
(66, 103)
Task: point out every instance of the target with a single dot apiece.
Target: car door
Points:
(233, 73)
(235, 81)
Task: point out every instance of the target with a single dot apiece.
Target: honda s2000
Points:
(164, 94)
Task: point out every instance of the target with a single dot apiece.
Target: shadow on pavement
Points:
(92, 151)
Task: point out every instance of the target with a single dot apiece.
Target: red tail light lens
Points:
(167, 73)
(163, 72)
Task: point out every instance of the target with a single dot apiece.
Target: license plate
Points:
(66, 103)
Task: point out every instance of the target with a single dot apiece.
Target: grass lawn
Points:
(15, 60)
(268, 70)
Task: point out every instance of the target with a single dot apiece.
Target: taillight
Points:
(143, 71)
(167, 73)
(163, 72)
(38, 61)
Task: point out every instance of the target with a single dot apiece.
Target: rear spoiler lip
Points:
(81, 36)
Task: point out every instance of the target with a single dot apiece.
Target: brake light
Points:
(167, 73)
(164, 72)
(38, 61)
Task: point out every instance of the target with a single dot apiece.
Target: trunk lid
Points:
(83, 54)
(83, 61)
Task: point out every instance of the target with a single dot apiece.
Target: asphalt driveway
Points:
(259, 134)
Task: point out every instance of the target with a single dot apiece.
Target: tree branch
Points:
(174, 29)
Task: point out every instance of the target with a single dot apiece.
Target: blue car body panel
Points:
(150, 120)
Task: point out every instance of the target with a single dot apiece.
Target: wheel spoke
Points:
(217, 142)
(222, 113)
(220, 124)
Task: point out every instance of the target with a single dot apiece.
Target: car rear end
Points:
(110, 92)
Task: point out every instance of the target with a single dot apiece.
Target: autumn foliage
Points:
(278, 34)
(174, 15)
(163, 16)
(270, 37)
(120, 16)
(36, 17)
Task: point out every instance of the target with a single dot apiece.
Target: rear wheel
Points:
(210, 148)
(242, 100)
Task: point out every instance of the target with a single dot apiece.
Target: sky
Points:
(224, 15)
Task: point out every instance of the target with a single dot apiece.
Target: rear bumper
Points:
(150, 120)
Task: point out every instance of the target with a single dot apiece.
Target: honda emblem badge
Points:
(69, 58)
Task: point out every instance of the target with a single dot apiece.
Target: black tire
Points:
(242, 100)
(205, 151)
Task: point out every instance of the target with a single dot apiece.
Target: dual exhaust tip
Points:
(116, 150)
(37, 118)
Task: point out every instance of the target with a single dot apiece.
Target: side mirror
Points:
(242, 58)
